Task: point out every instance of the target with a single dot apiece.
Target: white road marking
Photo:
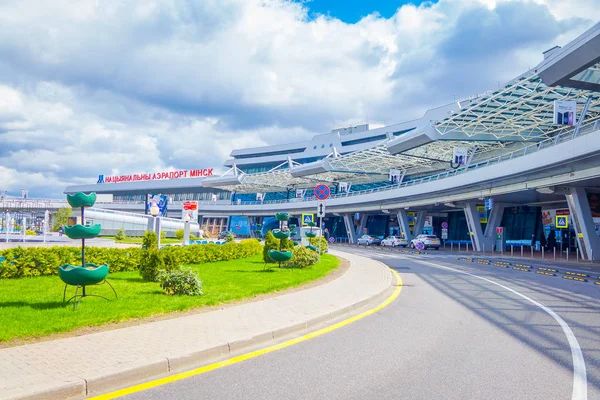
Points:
(579, 371)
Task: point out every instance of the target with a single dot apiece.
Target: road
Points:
(458, 330)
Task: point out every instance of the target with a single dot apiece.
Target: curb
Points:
(157, 368)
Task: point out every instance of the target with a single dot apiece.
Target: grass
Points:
(32, 307)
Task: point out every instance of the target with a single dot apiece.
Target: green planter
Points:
(277, 255)
(83, 232)
(295, 243)
(313, 248)
(311, 224)
(282, 216)
(279, 234)
(81, 199)
(76, 275)
(310, 234)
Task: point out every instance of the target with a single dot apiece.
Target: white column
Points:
(474, 225)
(403, 224)
(350, 228)
(494, 221)
(583, 223)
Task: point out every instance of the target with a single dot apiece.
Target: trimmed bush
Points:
(29, 232)
(184, 282)
(120, 234)
(229, 238)
(271, 243)
(179, 233)
(315, 242)
(302, 258)
(151, 264)
(37, 261)
(150, 240)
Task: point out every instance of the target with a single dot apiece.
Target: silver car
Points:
(394, 241)
(367, 240)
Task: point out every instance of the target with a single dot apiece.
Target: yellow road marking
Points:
(253, 354)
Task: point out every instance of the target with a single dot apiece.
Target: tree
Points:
(61, 217)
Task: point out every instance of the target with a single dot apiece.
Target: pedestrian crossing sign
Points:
(307, 219)
(562, 222)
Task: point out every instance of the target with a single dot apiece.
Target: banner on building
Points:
(259, 197)
(460, 155)
(564, 112)
(344, 187)
(213, 197)
(299, 193)
(190, 208)
(395, 176)
(161, 202)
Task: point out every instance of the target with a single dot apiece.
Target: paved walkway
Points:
(95, 363)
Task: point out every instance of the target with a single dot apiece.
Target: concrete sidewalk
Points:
(99, 362)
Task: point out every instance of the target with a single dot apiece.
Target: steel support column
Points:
(403, 224)
(494, 221)
(348, 221)
(583, 223)
(475, 231)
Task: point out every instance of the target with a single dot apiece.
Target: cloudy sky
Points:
(92, 87)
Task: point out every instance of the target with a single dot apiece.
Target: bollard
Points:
(467, 247)
(452, 246)
(512, 251)
(567, 254)
(531, 251)
(577, 254)
(542, 252)
(521, 251)
(459, 247)
(554, 253)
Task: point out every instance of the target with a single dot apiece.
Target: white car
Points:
(367, 240)
(429, 241)
(394, 241)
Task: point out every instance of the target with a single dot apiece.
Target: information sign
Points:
(321, 209)
(322, 191)
(562, 221)
(307, 219)
(444, 225)
(444, 233)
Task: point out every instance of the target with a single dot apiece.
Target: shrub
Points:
(229, 238)
(151, 263)
(181, 282)
(179, 233)
(150, 240)
(29, 232)
(38, 261)
(315, 242)
(163, 235)
(302, 258)
(271, 243)
(120, 234)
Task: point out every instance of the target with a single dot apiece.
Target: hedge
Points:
(38, 261)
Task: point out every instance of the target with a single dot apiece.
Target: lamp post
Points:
(186, 229)
(154, 211)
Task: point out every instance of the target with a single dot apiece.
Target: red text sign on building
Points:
(155, 176)
(190, 205)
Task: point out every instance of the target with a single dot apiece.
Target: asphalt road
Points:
(449, 335)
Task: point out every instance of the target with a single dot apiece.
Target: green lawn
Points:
(33, 306)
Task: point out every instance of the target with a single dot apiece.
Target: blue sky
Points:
(352, 11)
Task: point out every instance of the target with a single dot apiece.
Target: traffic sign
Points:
(562, 222)
(420, 245)
(322, 191)
(332, 240)
(321, 209)
(444, 225)
(307, 219)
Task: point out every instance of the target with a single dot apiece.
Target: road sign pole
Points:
(321, 236)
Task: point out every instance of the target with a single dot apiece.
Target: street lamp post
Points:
(154, 211)
(186, 229)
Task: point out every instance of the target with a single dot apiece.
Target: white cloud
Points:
(92, 87)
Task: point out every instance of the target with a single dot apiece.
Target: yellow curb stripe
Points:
(253, 354)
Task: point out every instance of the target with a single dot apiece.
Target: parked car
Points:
(394, 241)
(367, 240)
(429, 241)
(224, 234)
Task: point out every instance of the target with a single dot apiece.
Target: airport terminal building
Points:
(514, 158)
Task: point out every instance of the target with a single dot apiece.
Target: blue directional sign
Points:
(307, 219)
(322, 191)
(489, 203)
(562, 222)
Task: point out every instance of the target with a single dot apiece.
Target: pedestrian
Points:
(61, 230)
